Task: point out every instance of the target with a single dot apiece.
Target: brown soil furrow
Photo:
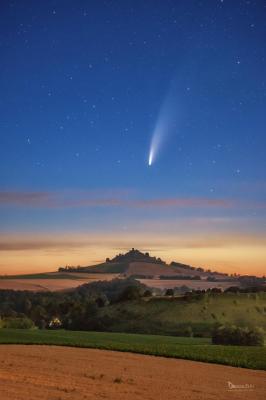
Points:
(53, 373)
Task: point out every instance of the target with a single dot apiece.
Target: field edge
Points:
(194, 349)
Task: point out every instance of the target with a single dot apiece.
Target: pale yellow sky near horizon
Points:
(40, 253)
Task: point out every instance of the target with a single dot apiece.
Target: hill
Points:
(138, 264)
(195, 315)
(150, 270)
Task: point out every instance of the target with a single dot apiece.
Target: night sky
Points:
(84, 87)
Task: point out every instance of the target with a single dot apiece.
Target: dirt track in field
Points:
(60, 373)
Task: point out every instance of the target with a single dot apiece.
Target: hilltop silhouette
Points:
(138, 264)
(135, 255)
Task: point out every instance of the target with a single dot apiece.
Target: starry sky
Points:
(84, 86)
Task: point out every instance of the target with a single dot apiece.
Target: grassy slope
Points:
(104, 268)
(165, 316)
(107, 268)
(176, 347)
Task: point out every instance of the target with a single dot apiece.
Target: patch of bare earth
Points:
(59, 373)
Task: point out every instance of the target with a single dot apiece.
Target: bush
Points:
(18, 323)
(232, 335)
(188, 332)
(147, 293)
(130, 293)
(169, 292)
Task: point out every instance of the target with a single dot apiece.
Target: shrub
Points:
(147, 293)
(188, 332)
(130, 293)
(18, 323)
(232, 335)
(169, 292)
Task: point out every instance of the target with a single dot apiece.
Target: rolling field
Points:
(198, 349)
(65, 373)
(51, 281)
(61, 280)
(192, 284)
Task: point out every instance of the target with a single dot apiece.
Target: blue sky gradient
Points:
(82, 86)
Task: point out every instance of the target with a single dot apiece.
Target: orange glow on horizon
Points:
(33, 253)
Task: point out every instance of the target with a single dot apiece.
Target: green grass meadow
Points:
(198, 349)
(174, 316)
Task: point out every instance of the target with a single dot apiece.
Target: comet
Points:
(165, 125)
(154, 147)
(150, 157)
